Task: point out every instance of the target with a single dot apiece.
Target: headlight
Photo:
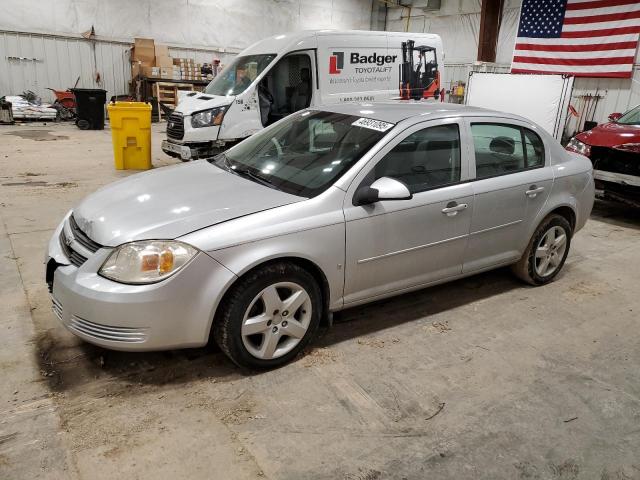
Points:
(208, 118)
(146, 262)
(577, 146)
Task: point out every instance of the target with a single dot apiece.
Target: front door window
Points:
(286, 89)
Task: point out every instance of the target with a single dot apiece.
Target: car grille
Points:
(175, 126)
(105, 332)
(617, 161)
(81, 238)
(75, 257)
(56, 306)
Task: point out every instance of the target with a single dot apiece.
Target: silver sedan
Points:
(327, 209)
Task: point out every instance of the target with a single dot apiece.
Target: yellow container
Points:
(131, 134)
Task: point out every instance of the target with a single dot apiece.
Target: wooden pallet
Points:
(167, 93)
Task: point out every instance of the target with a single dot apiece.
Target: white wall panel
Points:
(457, 22)
(230, 24)
(60, 62)
(198, 29)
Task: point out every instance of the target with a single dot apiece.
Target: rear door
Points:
(512, 182)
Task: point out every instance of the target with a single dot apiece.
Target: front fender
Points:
(322, 246)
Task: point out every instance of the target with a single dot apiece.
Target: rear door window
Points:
(501, 149)
(534, 149)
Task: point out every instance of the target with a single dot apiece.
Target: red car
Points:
(614, 150)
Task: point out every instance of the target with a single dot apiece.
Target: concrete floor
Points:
(483, 378)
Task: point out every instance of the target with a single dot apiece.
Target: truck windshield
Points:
(632, 117)
(305, 153)
(239, 74)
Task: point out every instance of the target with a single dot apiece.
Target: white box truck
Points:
(286, 73)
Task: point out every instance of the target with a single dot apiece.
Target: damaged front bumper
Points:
(617, 175)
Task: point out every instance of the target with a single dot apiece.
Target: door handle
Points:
(453, 208)
(533, 191)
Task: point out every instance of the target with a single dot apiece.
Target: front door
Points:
(394, 245)
(288, 87)
(511, 184)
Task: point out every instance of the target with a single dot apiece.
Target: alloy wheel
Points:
(276, 321)
(550, 251)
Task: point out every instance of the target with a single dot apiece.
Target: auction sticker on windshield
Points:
(372, 124)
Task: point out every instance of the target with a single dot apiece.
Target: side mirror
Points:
(614, 117)
(385, 188)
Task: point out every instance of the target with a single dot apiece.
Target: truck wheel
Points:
(546, 253)
(269, 316)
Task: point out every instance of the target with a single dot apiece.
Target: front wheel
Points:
(546, 252)
(269, 316)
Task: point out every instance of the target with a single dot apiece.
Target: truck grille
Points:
(175, 126)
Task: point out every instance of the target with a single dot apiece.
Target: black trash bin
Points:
(90, 108)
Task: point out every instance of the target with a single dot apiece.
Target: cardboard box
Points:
(150, 71)
(143, 51)
(162, 50)
(169, 72)
(164, 62)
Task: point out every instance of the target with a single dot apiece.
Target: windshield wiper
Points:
(245, 172)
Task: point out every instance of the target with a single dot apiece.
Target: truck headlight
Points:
(577, 146)
(208, 118)
(146, 261)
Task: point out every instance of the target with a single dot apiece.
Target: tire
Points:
(252, 306)
(83, 124)
(530, 268)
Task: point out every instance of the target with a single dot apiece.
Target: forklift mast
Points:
(421, 80)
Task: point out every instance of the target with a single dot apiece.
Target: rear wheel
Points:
(269, 316)
(546, 252)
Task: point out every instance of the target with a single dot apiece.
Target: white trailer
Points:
(286, 73)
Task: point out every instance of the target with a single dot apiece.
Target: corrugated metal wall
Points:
(57, 61)
(620, 94)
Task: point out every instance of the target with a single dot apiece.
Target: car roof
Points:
(395, 111)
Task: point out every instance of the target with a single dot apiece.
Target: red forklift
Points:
(421, 80)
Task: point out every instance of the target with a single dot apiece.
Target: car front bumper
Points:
(174, 313)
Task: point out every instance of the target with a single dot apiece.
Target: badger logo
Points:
(336, 63)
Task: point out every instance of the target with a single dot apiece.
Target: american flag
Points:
(585, 38)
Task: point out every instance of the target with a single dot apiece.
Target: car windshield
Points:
(238, 75)
(305, 153)
(632, 117)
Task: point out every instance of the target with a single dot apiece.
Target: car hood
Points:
(170, 202)
(202, 101)
(610, 134)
